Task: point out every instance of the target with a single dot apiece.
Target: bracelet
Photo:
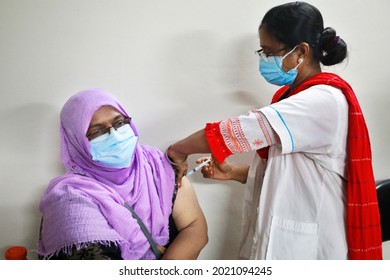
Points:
(171, 162)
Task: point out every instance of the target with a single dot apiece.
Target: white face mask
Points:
(114, 149)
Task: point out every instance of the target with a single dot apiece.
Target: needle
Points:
(189, 173)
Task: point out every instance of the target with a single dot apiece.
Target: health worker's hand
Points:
(214, 170)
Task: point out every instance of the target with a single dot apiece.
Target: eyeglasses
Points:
(264, 55)
(101, 131)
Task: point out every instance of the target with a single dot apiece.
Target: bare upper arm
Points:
(187, 210)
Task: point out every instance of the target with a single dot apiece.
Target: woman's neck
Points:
(305, 73)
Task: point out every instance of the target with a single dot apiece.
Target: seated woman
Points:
(116, 192)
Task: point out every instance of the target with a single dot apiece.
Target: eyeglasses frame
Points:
(126, 120)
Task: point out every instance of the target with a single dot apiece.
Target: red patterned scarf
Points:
(363, 220)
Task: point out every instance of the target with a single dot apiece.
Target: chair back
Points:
(383, 194)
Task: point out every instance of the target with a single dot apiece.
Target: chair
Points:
(383, 194)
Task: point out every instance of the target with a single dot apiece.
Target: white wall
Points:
(175, 65)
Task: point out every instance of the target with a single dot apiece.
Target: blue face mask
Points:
(271, 69)
(114, 149)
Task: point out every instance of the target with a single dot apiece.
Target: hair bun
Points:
(328, 36)
(332, 43)
(333, 49)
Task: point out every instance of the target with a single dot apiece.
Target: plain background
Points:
(174, 65)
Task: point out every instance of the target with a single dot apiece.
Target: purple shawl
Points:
(85, 205)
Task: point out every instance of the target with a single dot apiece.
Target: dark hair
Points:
(298, 22)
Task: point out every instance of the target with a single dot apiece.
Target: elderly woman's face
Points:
(102, 119)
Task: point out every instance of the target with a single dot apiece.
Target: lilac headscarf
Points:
(85, 205)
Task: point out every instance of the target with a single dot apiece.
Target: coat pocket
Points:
(292, 240)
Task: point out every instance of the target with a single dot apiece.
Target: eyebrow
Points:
(265, 48)
(102, 125)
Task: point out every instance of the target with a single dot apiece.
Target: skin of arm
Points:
(224, 171)
(193, 144)
(197, 143)
(239, 173)
(191, 224)
(178, 152)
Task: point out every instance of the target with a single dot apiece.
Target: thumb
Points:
(202, 159)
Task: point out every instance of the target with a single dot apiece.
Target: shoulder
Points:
(185, 193)
(318, 96)
(325, 95)
(151, 154)
(319, 91)
(66, 189)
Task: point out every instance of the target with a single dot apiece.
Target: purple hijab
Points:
(85, 205)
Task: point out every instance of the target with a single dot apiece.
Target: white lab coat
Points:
(295, 202)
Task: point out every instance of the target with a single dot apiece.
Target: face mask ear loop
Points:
(289, 52)
(283, 57)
